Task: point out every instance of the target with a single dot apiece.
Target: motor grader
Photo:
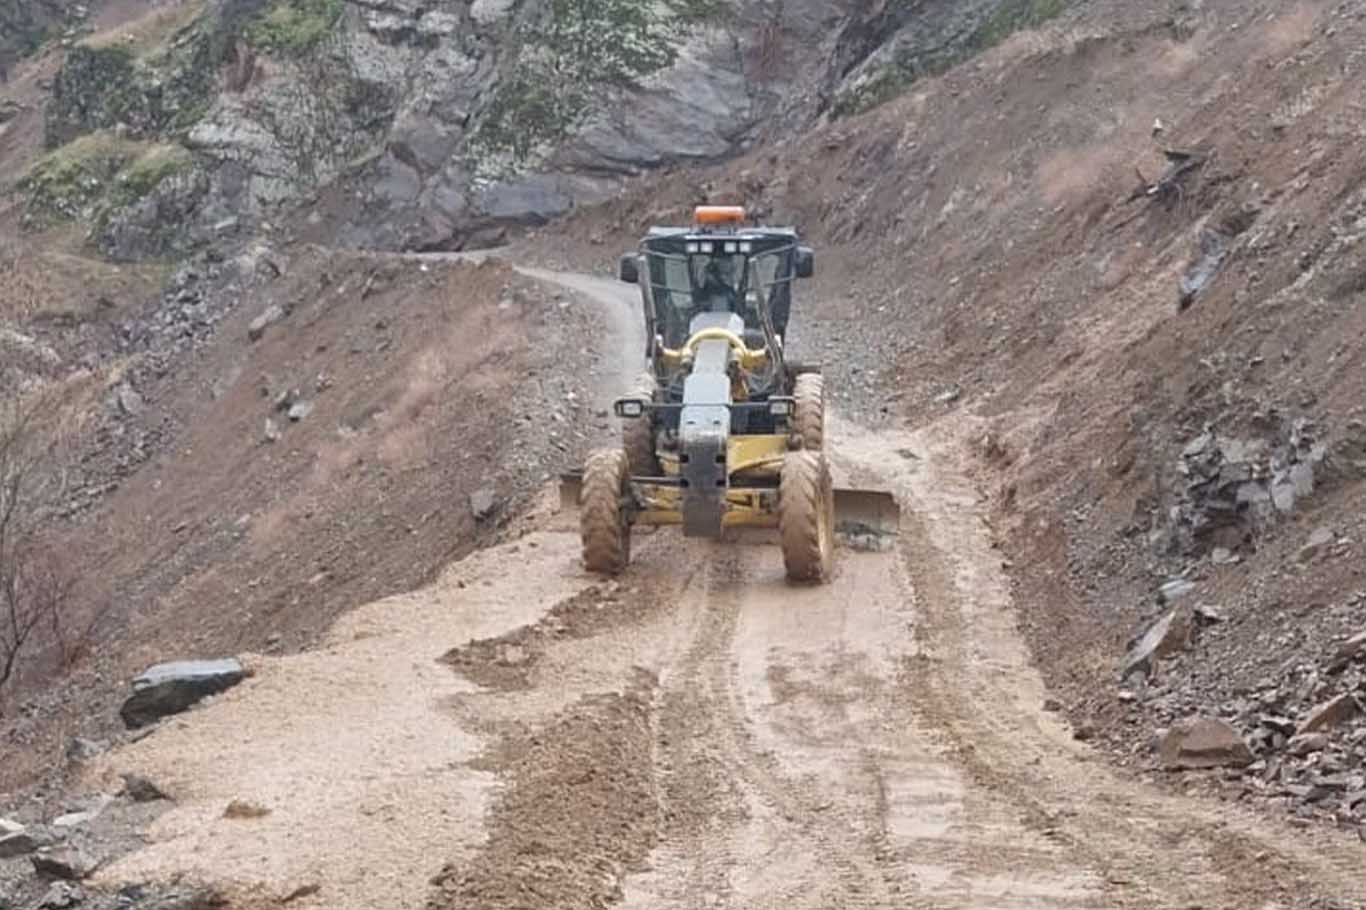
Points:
(724, 430)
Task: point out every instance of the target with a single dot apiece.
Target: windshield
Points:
(685, 284)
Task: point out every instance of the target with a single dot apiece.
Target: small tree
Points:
(34, 586)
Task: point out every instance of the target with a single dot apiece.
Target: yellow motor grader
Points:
(724, 430)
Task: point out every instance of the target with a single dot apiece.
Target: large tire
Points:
(604, 522)
(806, 516)
(638, 434)
(808, 418)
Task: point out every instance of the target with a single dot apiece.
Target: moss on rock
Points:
(94, 176)
(912, 63)
(576, 53)
(293, 26)
(151, 83)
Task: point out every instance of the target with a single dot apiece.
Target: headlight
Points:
(781, 407)
(629, 407)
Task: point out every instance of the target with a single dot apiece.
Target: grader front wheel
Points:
(808, 418)
(638, 434)
(604, 519)
(806, 516)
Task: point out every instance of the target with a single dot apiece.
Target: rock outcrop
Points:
(436, 127)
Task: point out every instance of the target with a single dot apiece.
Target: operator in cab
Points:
(716, 289)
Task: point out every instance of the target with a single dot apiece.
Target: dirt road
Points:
(699, 734)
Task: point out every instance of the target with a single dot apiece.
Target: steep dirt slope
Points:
(982, 247)
(395, 417)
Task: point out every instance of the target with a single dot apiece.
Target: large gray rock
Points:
(1168, 635)
(23, 842)
(173, 687)
(64, 863)
(1204, 742)
(1330, 714)
(61, 896)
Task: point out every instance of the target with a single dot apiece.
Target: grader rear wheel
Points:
(808, 418)
(604, 519)
(806, 516)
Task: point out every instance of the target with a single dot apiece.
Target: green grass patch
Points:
(140, 176)
(895, 78)
(148, 36)
(575, 54)
(1014, 16)
(293, 26)
(90, 177)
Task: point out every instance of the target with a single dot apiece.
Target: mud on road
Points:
(699, 733)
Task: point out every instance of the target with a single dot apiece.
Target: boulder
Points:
(1174, 590)
(65, 863)
(1331, 713)
(173, 687)
(1168, 635)
(21, 843)
(272, 314)
(1317, 541)
(61, 896)
(1349, 649)
(1204, 742)
(483, 503)
(141, 790)
(1307, 744)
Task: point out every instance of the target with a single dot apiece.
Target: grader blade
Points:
(866, 517)
(571, 485)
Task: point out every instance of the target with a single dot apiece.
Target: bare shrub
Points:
(35, 584)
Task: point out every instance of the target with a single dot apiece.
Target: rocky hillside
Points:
(437, 125)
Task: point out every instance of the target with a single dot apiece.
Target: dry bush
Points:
(35, 583)
(21, 284)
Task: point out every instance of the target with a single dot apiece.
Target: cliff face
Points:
(423, 124)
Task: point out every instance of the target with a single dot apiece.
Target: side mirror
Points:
(629, 269)
(806, 262)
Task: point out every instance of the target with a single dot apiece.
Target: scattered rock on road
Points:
(172, 687)
(197, 898)
(241, 808)
(141, 790)
(1204, 743)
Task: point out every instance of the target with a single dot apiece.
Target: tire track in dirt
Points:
(975, 684)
